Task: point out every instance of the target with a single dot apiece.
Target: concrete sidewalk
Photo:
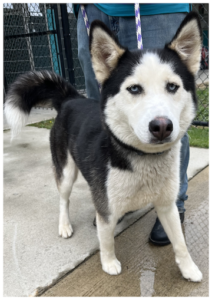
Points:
(148, 270)
(34, 256)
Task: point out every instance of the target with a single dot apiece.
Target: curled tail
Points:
(33, 88)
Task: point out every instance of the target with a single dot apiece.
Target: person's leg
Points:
(93, 13)
(158, 236)
(156, 32)
(184, 160)
(127, 32)
(92, 88)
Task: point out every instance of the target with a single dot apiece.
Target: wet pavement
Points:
(149, 270)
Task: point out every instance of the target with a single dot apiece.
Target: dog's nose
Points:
(161, 127)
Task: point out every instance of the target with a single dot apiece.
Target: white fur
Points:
(128, 116)
(188, 45)
(64, 187)
(103, 46)
(110, 263)
(169, 217)
(154, 179)
(150, 181)
(16, 119)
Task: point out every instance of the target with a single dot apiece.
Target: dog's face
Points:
(148, 98)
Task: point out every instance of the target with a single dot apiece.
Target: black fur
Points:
(80, 127)
(112, 85)
(168, 55)
(35, 87)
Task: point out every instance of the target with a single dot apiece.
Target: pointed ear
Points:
(187, 42)
(105, 50)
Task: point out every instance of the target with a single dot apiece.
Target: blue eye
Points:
(171, 87)
(135, 89)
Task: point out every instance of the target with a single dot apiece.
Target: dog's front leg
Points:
(110, 263)
(169, 217)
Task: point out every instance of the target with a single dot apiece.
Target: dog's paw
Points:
(193, 274)
(112, 267)
(65, 230)
(189, 270)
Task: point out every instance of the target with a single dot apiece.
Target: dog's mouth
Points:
(158, 142)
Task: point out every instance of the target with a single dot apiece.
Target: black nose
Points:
(161, 128)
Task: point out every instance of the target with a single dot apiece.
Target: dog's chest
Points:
(150, 176)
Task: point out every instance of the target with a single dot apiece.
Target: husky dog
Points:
(128, 145)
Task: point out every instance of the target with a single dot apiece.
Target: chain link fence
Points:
(28, 44)
(202, 117)
(44, 36)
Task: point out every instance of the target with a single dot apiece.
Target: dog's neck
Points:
(122, 146)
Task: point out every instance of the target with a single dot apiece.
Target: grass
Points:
(199, 137)
(203, 105)
(44, 124)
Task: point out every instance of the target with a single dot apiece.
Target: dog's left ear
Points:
(105, 50)
(187, 42)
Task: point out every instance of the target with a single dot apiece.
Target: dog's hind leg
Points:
(110, 263)
(169, 217)
(64, 184)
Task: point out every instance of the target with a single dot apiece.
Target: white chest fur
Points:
(153, 179)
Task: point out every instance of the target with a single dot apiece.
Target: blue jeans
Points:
(156, 31)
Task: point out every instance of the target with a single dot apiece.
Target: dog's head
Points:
(148, 97)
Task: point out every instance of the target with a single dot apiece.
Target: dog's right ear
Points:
(187, 42)
(105, 50)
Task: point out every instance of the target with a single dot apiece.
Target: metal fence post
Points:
(28, 39)
(67, 42)
(60, 52)
(48, 37)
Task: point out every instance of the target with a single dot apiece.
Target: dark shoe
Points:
(119, 220)
(158, 236)
(182, 217)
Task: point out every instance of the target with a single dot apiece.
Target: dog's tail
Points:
(31, 89)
